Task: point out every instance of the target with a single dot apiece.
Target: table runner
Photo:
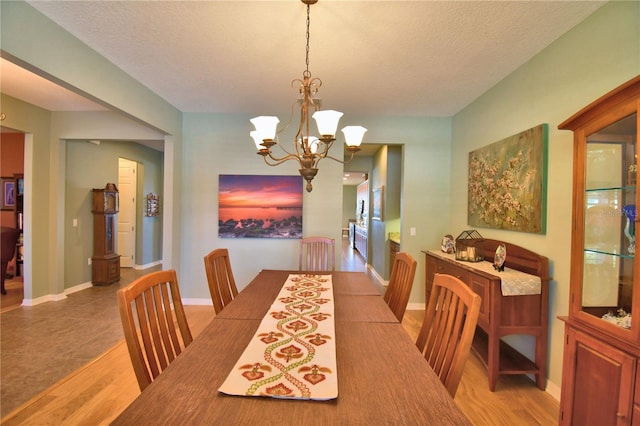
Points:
(513, 283)
(293, 352)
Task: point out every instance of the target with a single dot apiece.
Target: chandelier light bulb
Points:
(313, 144)
(327, 121)
(353, 135)
(266, 126)
(257, 139)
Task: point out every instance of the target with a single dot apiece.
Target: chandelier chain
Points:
(307, 73)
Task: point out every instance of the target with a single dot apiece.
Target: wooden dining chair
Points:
(400, 283)
(449, 325)
(222, 286)
(150, 329)
(317, 254)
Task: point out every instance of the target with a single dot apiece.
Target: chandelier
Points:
(309, 150)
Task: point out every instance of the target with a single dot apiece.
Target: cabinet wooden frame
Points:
(598, 362)
(599, 355)
(578, 241)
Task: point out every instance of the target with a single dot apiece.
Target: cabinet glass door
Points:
(609, 222)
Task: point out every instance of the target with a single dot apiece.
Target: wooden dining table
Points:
(382, 377)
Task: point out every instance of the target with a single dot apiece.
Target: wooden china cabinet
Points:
(601, 373)
(105, 261)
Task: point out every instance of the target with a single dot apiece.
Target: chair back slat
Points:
(448, 329)
(222, 285)
(403, 272)
(317, 254)
(150, 308)
(165, 339)
(168, 327)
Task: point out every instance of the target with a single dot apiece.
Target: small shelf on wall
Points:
(152, 202)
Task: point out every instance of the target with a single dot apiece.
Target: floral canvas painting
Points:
(255, 206)
(507, 183)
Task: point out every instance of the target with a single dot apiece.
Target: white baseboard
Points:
(415, 306)
(44, 299)
(56, 297)
(381, 281)
(76, 288)
(553, 390)
(147, 265)
(199, 302)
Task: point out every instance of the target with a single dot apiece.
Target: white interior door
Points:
(127, 215)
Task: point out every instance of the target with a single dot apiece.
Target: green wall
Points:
(31, 40)
(92, 166)
(596, 56)
(219, 144)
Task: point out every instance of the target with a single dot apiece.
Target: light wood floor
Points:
(98, 392)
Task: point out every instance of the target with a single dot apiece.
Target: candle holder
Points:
(470, 246)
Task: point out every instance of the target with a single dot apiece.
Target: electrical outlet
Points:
(75, 223)
(412, 231)
(89, 261)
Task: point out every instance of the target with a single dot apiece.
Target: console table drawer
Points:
(449, 269)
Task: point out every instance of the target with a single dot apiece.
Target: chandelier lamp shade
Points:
(308, 149)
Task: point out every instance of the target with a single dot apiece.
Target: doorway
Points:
(12, 146)
(127, 185)
(383, 165)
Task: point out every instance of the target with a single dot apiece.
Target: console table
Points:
(502, 315)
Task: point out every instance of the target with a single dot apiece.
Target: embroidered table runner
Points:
(293, 353)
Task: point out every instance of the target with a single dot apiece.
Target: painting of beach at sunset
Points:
(251, 206)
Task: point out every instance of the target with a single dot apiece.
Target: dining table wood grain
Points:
(382, 377)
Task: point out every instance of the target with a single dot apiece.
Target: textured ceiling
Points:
(374, 57)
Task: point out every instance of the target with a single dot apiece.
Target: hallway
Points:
(42, 344)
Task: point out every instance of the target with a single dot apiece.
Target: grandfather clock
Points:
(105, 261)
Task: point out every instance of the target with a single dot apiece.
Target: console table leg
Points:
(493, 360)
(541, 363)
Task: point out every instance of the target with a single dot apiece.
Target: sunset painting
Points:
(252, 206)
